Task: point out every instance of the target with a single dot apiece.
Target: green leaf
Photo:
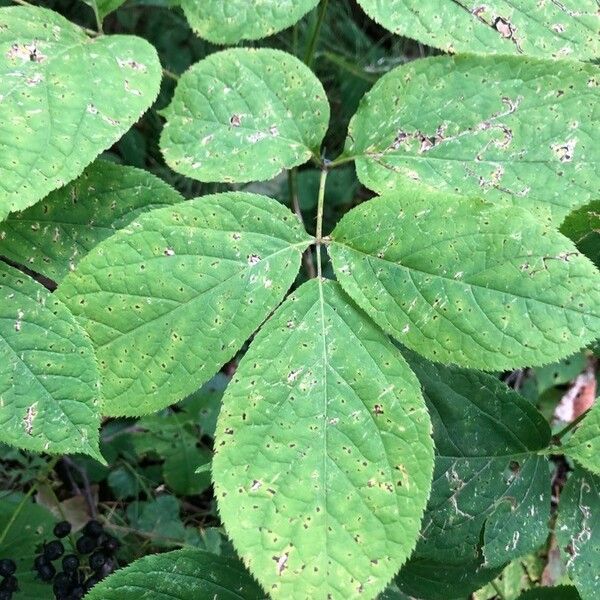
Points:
(244, 115)
(548, 29)
(429, 579)
(583, 227)
(578, 531)
(584, 444)
(65, 99)
(204, 405)
(55, 234)
(235, 20)
(104, 7)
(491, 491)
(560, 592)
(173, 296)
(160, 518)
(464, 282)
(180, 575)
(49, 381)
(323, 456)
(513, 130)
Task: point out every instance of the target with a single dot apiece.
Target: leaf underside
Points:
(55, 234)
(512, 130)
(65, 99)
(244, 115)
(173, 296)
(49, 381)
(235, 20)
(323, 456)
(558, 29)
(460, 281)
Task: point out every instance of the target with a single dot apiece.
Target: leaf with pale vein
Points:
(578, 531)
(561, 28)
(52, 236)
(235, 20)
(173, 296)
(491, 490)
(49, 381)
(518, 131)
(460, 281)
(65, 98)
(323, 455)
(187, 574)
(244, 115)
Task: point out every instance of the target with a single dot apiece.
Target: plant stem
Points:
(340, 160)
(310, 51)
(570, 426)
(170, 74)
(320, 206)
(293, 190)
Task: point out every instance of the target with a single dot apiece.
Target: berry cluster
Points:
(94, 547)
(9, 583)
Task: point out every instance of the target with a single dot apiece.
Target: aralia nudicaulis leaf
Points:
(49, 381)
(490, 498)
(244, 115)
(52, 236)
(584, 445)
(173, 296)
(323, 455)
(235, 20)
(513, 130)
(556, 29)
(66, 97)
(465, 282)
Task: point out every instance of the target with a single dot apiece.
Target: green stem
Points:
(570, 426)
(170, 74)
(293, 191)
(340, 160)
(310, 51)
(320, 206)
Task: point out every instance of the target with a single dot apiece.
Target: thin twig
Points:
(87, 490)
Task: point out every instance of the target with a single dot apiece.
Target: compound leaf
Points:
(49, 381)
(244, 115)
(491, 491)
(584, 444)
(187, 574)
(510, 129)
(65, 99)
(323, 456)
(460, 281)
(173, 296)
(578, 531)
(566, 28)
(55, 234)
(235, 20)
(583, 227)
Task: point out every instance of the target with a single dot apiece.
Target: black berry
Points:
(97, 560)
(62, 529)
(40, 561)
(93, 528)
(70, 563)
(9, 584)
(90, 582)
(111, 544)
(5, 595)
(77, 592)
(54, 550)
(7, 567)
(85, 544)
(46, 572)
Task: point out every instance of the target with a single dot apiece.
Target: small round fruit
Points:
(54, 550)
(62, 529)
(70, 563)
(93, 528)
(85, 544)
(7, 567)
